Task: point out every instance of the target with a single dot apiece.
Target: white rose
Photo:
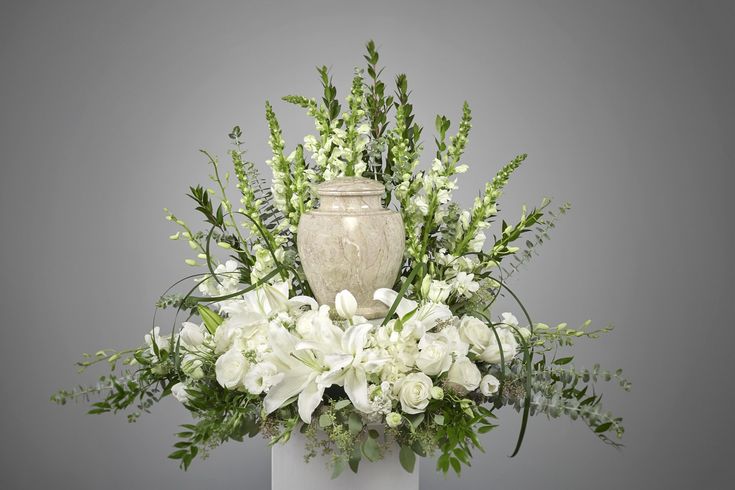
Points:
(464, 375)
(434, 358)
(474, 331)
(345, 304)
(230, 368)
(261, 377)
(489, 385)
(508, 345)
(414, 392)
(179, 392)
(192, 334)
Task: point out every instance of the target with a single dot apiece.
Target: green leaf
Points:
(354, 422)
(211, 319)
(407, 458)
(439, 419)
(339, 466)
(341, 404)
(371, 449)
(324, 420)
(563, 360)
(603, 427)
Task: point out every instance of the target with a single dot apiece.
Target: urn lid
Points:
(350, 186)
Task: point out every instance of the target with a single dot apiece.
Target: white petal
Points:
(289, 387)
(388, 297)
(355, 338)
(299, 301)
(356, 389)
(309, 399)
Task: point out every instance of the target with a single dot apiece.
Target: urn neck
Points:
(351, 195)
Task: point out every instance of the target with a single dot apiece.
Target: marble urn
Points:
(351, 242)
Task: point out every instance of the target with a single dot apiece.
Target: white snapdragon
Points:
(464, 376)
(414, 392)
(230, 368)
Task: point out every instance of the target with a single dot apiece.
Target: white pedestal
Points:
(290, 472)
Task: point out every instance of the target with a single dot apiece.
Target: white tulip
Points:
(464, 375)
(179, 392)
(489, 385)
(345, 304)
(230, 369)
(414, 392)
(192, 334)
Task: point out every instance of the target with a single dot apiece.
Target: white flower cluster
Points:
(291, 348)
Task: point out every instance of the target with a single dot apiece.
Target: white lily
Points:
(426, 315)
(300, 369)
(349, 365)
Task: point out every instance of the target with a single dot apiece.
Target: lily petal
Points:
(388, 297)
(309, 399)
(356, 389)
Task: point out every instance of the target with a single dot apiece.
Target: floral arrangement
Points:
(257, 353)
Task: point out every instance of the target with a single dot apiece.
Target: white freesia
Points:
(414, 392)
(192, 334)
(464, 285)
(261, 377)
(345, 304)
(464, 375)
(489, 385)
(179, 392)
(230, 368)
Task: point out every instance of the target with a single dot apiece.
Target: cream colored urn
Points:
(351, 242)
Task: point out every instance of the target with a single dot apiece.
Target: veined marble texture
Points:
(351, 242)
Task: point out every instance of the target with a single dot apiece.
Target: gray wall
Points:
(626, 109)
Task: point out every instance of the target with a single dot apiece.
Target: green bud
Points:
(175, 236)
(190, 262)
(193, 245)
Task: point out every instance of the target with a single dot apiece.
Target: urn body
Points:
(351, 242)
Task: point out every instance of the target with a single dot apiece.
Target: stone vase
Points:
(351, 242)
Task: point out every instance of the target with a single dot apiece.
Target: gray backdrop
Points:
(626, 109)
